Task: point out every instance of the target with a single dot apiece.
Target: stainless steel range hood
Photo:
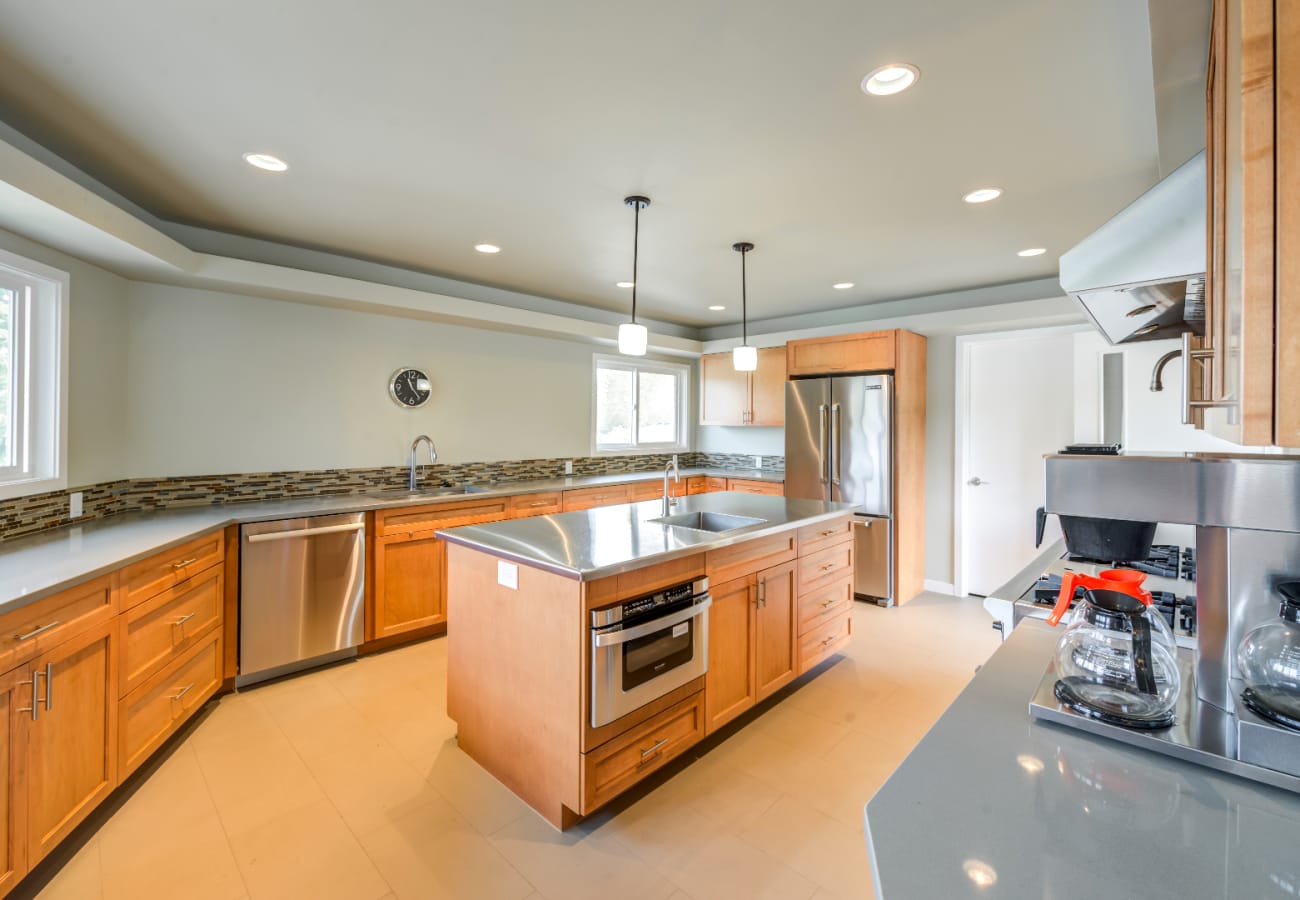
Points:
(1141, 276)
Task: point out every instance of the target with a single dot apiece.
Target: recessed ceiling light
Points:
(487, 248)
(983, 195)
(266, 161)
(890, 79)
(842, 285)
(623, 284)
(717, 308)
(1033, 251)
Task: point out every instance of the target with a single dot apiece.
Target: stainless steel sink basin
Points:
(714, 522)
(455, 491)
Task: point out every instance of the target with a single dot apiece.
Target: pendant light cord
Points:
(744, 303)
(636, 243)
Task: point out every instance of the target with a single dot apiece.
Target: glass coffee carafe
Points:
(1117, 660)
(1269, 662)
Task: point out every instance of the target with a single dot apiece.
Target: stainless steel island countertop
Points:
(609, 540)
(992, 803)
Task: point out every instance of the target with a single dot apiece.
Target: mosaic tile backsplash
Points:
(28, 515)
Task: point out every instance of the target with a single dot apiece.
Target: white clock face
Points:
(409, 388)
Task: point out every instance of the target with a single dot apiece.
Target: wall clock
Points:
(409, 387)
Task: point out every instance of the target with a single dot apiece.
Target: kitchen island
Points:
(1007, 806)
(587, 649)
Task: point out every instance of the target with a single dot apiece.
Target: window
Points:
(640, 406)
(33, 341)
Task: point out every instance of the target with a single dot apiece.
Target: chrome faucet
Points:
(433, 458)
(670, 466)
(1156, 383)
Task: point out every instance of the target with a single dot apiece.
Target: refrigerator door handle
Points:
(824, 463)
(836, 420)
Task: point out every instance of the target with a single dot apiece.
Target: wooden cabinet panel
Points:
(155, 631)
(713, 484)
(70, 744)
(623, 761)
(818, 570)
(144, 579)
(724, 392)
(824, 535)
(409, 584)
(824, 641)
(588, 498)
(868, 352)
(525, 505)
(1287, 80)
(774, 633)
(729, 682)
(767, 388)
(648, 490)
(825, 603)
(152, 712)
(38, 626)
(697, 484)
(752, 556)
(749, 486)
(411, 520)
(13, 791)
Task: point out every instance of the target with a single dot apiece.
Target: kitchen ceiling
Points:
(415, 130)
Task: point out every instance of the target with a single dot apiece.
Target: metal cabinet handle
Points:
(36, 631)
(658, 745)
(185, 562)
(183, 691)
(1191, 355)
(828, 640)
(829, 603)
(36, 695)
(762, 593)
(828, 567)
(49, 685)
(827, 533)
(182, 620)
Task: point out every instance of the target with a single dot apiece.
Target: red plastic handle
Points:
(1123, 581)
(1065, 596)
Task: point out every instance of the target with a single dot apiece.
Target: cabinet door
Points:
(767, 388)
(775, 653)
(408, 583)
(724, 392)
(729, 684)
(71, 744)
(1287, 381)
(13, 697)
(871, 351)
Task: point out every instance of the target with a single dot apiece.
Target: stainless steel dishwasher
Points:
(301, 593)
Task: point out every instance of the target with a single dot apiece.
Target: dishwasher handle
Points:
(304, 532)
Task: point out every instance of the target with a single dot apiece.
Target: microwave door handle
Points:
(611, 638)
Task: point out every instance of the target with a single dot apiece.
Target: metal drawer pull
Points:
(182, 620)
(830, 602)
(32, 634)
(183, 691)
(829, 640)
(36, 695)
(49, 685)
(828, 532)
(658, 745)
(828, 567)
(185, 562)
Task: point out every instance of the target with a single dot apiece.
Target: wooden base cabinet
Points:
(409, 574)
(774, 632)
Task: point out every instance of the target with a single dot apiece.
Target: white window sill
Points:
(638, 451)
(25, 487)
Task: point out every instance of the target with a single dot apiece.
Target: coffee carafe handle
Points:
(1143, 665)
(1068, 581)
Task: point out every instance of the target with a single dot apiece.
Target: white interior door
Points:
(1016, 394)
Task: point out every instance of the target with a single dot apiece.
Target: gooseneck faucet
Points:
(670, 466)
(1156, 383)
(433, 458)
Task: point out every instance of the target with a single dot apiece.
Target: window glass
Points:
(639, 406)
(657, 408)
(6, 377)
(613, 406)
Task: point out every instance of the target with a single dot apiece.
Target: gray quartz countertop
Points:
(43, 564)
(608, 540)
(992, 803)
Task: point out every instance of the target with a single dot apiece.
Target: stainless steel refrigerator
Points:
(839, 445)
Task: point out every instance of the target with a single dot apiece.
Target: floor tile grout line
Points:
(212, 798)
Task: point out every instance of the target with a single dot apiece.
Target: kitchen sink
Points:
(714, 522)
(452, 491)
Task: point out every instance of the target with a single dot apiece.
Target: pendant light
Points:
(744, 358)
(632, 338)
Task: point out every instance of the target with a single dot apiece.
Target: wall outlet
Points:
(568, 467)
(758, 462)
(75, 510)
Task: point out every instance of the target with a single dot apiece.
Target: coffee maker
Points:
(1246, 511)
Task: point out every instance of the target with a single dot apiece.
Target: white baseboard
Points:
(940, 587)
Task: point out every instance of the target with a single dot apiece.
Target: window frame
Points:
(39, 386)
(683, 374)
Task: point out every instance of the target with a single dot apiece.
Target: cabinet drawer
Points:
(152, 712)
(647, 490)
(151, 576)
(697, 484)
(818, 570)
(38, 626)
(715, 484)
(741, 559)
(587, 498)
(155, 631)
(413, 519)
(824, 535)
(746, 486)
(824, 640)
(524, 505)
(821, 606)
(869, 352)
(620, 763)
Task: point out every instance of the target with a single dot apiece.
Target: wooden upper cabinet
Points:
(871, 351)
(1287, 175)
(728, 397)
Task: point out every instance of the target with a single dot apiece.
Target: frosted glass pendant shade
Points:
(745, 359)
(632, 339)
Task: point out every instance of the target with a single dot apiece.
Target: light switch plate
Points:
(508, 575)
(568, 467)
(758, 462)
(75, 509)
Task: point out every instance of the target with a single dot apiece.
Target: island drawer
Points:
(38, 626)
(154, 632)
(824, 640)
(621, 762)
(524, 505)
(821, 606)
(587, 498)
(152, 712)
(824, 535)
(151, 576)
(412, 519)
(817, 570)
(746, 486)
(740, 560)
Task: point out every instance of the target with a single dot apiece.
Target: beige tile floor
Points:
(348, 783)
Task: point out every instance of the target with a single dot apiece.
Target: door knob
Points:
(976, 482)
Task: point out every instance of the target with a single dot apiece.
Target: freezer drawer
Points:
(873, 541)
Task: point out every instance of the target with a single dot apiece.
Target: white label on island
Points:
(508, 575)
